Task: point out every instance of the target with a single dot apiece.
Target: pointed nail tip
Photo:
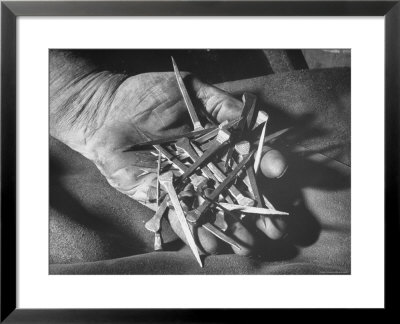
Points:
(199, 261)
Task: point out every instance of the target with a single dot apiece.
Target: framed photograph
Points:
(195, 155)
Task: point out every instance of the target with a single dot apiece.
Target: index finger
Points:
(219, 104)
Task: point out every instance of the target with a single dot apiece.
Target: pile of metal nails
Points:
(217, 166)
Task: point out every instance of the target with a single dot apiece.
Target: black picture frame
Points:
(11, 10)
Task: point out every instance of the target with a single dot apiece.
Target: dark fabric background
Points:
(212, 66)
(96, 230)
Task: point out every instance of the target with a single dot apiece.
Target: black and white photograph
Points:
(200, 161)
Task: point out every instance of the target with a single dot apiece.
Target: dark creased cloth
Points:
(95, 229)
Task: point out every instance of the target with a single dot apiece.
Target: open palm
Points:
(151, 104)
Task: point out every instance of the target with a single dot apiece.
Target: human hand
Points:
(152, 104)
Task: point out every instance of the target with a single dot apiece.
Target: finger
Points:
(220, 104)
(207, 241)
(273, 227)
(273, 163)
(244, 237)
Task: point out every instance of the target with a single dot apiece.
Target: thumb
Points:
(218, 103)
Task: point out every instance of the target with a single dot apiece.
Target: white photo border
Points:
(363, 288)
